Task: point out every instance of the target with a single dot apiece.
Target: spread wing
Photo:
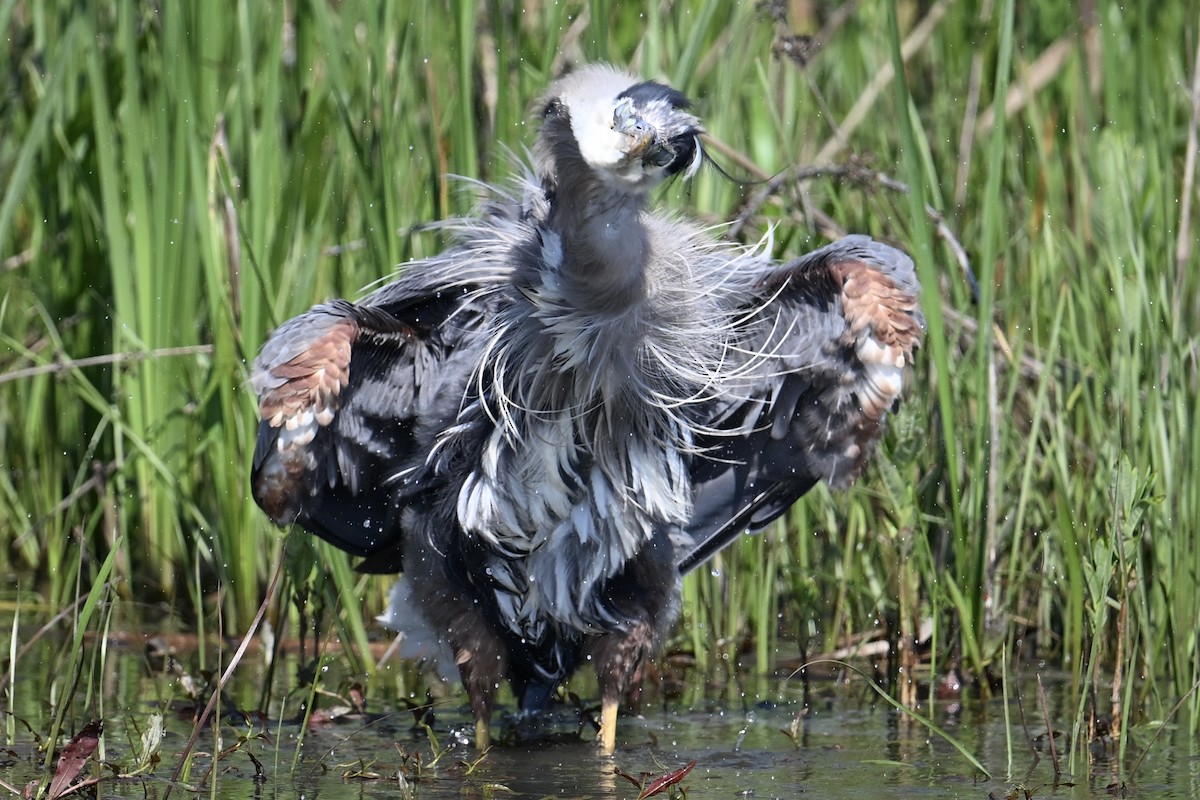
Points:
(823, 346)
(346, 394)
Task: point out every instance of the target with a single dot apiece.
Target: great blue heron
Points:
(549, 423)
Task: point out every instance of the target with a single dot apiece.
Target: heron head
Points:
(631, 133)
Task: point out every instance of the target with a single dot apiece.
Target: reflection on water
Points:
(844, 742)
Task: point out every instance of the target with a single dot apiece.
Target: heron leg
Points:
(483, 734)
(646, 595)
(480, 687)
(619, 658)
(450, 608)
(607, 739)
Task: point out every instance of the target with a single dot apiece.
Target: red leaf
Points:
(664, 781)
(74, 758)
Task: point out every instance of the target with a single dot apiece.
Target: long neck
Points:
(603, 236)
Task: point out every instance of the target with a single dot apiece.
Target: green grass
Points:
(178, 181)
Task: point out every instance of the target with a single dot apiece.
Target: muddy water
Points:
(842, 742)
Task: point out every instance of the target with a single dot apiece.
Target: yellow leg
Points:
(608, 727)
(483, 734)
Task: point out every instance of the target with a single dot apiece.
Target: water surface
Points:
(842, 741)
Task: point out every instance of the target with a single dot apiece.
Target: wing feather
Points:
(346, 392)
(823, 347)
